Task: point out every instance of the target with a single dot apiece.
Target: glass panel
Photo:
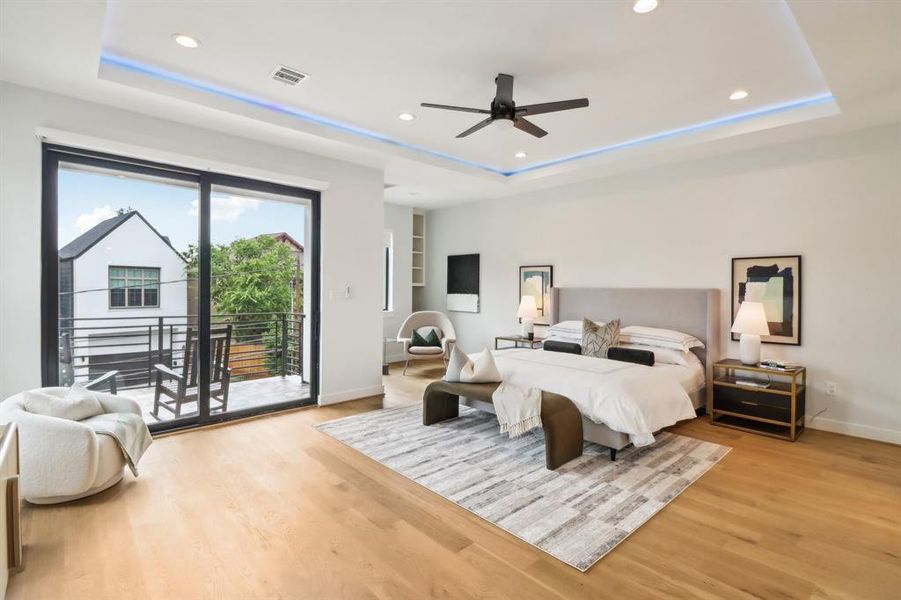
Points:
(129, 282)
(117, 297)
(258, 265)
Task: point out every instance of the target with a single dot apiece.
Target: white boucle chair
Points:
(62, 460)
(423, 322)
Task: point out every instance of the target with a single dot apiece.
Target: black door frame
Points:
(52, 155)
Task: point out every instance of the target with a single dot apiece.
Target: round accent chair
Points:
(423, 322)
(62, 459)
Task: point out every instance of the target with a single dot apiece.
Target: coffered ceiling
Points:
(657, 83)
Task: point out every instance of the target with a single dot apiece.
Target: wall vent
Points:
(288, 75)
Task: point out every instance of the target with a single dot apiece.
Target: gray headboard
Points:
(693, 311)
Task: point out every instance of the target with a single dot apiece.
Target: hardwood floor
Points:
(271, 508)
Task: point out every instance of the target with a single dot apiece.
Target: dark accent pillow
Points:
(432, 339)
(632, 355)
(418, 340)
(558, 346)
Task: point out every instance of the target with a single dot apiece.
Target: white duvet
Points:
(629, 398)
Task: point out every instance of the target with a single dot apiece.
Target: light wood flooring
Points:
(271, 508)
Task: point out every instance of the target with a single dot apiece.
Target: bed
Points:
(692, 311)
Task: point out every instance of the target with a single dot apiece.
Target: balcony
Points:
(261, 358)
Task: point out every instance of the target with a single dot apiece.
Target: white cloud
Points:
(226, 208)
(85, 221)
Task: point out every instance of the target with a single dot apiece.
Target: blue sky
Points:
(86, 198)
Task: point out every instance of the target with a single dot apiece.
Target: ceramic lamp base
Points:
(528, 328)
(749, 349)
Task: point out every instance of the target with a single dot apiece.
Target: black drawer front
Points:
(752, 403)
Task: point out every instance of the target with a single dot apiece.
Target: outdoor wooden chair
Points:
(181, 387)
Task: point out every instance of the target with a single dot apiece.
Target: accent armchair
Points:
(61, 459)
(423, 322)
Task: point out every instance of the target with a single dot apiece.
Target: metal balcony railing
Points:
(263, 345)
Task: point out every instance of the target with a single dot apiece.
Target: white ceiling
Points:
(369, 61)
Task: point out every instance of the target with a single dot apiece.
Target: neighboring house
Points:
(297, 253)
(115, 281)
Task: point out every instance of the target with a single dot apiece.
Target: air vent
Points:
(289, 76)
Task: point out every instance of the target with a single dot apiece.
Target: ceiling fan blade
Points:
(476, 127)
(504, 89)
(548, 107)
(457, 108)
(529, 127)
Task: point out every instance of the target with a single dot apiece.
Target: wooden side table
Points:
(518, 341)
(776, 410)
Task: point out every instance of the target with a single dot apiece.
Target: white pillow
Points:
(455, 364)
(480, 369)
(565, 327)
(667, 356)
(424, 331)
(662, 338)
(79, 403)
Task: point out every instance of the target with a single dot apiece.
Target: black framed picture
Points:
(463, 283)
(537, 282)
(782, 296)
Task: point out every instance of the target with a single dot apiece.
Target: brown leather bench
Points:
(561, 420)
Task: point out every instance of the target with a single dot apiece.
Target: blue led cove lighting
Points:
(161, 74)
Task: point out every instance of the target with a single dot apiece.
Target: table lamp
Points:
(528, 312)
(751, 323)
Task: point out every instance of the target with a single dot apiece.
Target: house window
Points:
(134, 287)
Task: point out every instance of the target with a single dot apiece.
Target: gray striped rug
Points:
(577, 513)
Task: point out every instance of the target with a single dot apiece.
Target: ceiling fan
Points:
(504, 111)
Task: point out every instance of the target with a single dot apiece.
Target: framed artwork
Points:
(782, 298)
(463, 283)
(537, 282)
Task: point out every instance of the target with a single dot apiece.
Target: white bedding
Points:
(690, 377)
(633, 399)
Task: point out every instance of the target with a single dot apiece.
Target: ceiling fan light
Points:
(643, 7)
(503, 124)
(406, 117)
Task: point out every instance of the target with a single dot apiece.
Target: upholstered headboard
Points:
(693, 311)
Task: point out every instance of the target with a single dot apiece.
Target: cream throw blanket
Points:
(518, 408)
(129, 431)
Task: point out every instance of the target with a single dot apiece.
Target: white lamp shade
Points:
(751, 318)
(527, 308)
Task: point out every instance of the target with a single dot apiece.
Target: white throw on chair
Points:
(62, 458)
(423, 322)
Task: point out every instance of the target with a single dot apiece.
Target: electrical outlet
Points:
(831, 388)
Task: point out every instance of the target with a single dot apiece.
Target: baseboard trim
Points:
(347, 395)
(855, 430)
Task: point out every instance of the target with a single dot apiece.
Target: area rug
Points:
(577, 513)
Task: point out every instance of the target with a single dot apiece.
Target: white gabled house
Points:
(116, 281)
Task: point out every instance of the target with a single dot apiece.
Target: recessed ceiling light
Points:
(520, 154)
(406, 117)
(739, 95)
(643, 7)
(185, 40)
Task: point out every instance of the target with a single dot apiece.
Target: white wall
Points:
(836, 201)
(351, 227)
(399, 221)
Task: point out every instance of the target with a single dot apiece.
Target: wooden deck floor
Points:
(271, 508)
(241, 395)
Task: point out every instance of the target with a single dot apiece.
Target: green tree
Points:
(253, 275)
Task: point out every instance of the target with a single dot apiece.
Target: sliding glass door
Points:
(192, 292)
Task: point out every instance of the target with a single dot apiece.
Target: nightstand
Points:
(519, 341)
(776, 410)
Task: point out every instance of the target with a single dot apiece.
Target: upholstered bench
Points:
(561, 420)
